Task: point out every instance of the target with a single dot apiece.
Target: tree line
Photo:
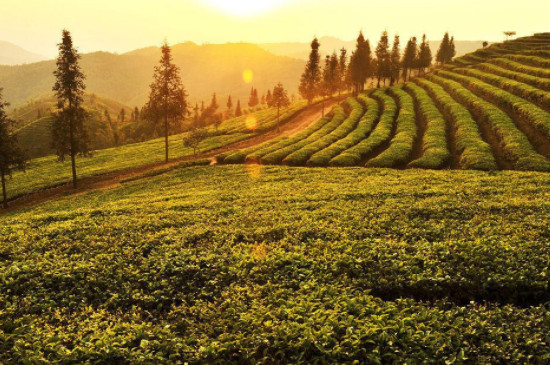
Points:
(386, 64)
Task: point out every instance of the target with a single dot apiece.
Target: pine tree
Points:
(409, 58)
(255, 98)
(279, 100)
(11, 156)
(446, 50)
(342, 68)
(424, 55)
(309, 82)
(168, 98)
(383, 58)
(214, 102)
(136, 114)
(69, 135)
(360, 65)
(238, 110)
(196, 117)
(262, 101)
(395, 62)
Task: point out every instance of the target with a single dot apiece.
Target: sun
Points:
(245, 7)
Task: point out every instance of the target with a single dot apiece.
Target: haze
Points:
(120, 26)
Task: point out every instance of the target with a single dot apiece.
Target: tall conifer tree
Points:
(69, 136)
(167, 98)
(395, 61)
(311, 78)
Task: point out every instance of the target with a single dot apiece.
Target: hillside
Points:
(301, 50)
(11, 54)
(238, 265)
(33, 121)
(487, 110)
(126, 77)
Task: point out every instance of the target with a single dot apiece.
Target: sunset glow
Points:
(245, 7)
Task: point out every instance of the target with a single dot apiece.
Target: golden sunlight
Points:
(251, 123)
(248, 75)
(245, 7)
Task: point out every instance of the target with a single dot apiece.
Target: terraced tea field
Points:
(488, 110)
(271, 265)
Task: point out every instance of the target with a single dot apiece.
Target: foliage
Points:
(311, 78)
(213, 265)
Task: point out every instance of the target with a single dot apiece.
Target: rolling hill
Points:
(11, 54)
(126, 77)
(487, 110)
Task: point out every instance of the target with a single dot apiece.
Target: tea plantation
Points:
(247, 264)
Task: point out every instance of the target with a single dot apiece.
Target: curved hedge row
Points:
(475, 153)
(520, 89)
(515, 144)
(434, 142)
(278, 155)
(301, 156)
(363, 129)
(380, 134)
(530, 60)
(520, 67)
(537, 81)
(401, 146)
(526, 110)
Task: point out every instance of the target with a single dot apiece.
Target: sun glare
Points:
(248, 76)
(245, 7)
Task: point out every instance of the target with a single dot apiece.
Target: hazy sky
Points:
(123, 25)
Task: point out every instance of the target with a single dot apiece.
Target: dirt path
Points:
(110, 180)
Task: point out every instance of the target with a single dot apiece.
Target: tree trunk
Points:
(378, 84)
(73, 147)
(410, 72)
(4, 193)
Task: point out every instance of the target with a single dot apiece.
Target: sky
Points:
(123, 25)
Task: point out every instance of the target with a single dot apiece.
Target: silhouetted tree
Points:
(279, 100)
(167, 98)
(229, 107)
(269, 98)
(383, 66)
(409, 58)
(309, 82)
(342, 68)
(262, 100)
(136, 114)
(446, 50)
(395, 61)
(11, 156)
(360, 65)
(112, 126)
(69, 135)
(424, 55)
(196, 116)
(238, 110)
(485, 44)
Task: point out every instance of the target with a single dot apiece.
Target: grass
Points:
(249, 264)
(47, 172)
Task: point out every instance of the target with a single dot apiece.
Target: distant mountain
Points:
(330, 44)
(126, 77)
(10, 54)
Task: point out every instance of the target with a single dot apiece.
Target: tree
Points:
(238, 110)
(360, 65)
(485, 44)
(342, 68)
(309, 82)
(269, 98)
(383, 58)
(69, 135)
(509, 34)
(122, 116)
(253, 99)
(395, 61)
(229, 107)
(194, 138)
(11, 156)
(167, 98)
(446, 50)
(424, 55)
(214, 102)
(196, 116)
(136, 114)
(113, 126)
(409, 58)
(280, 100)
